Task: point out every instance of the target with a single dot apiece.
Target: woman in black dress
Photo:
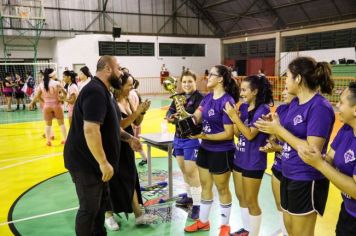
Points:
(125, 191)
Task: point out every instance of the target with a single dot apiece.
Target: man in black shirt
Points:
(92, 149)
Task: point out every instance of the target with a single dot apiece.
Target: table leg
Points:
(149, 165)
(170, 171)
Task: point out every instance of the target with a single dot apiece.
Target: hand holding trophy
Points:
(186, 123)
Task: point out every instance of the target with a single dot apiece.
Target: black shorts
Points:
(304, 197)
(20, 94)
(254, 174)
(215, 162)
(277, 173)
(346, 225)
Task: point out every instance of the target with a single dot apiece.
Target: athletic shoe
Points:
(197, 226)
(146, 219)
(224, 230)
(111, 224)
(142, 163)
(49, 143)
(195, 212)
(240, 232)
(184, 201)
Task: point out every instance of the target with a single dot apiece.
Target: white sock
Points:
(283, 227)
(187, 188)
(255, 223)
(63, 132)
(225, 213)
(205, 206)
(196, 195)
(143, 155)
(245, 218)
(48, 132)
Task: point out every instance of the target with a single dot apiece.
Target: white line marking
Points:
(38, 216)
(28, 161)
(19, 158)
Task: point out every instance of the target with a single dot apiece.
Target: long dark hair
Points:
(46, 77)
(229, 84)
(72, 75)
(264, 89)
(85, 70)
(314, 74)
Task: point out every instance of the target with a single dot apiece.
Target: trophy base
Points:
(188, 127)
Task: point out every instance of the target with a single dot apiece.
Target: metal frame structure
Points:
(23, 38)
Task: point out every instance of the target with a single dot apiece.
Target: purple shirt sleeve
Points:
(261, 110)
(319, 122)
(226, 118)
(338, 139)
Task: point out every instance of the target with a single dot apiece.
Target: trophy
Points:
(186, 123)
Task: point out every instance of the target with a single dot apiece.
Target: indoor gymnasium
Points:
(178, 117)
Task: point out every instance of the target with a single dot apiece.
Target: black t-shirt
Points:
(192, 103)
(95, 104)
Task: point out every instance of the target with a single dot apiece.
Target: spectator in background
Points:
(30, 82)
(7, 90)
(19, 94)
(164, 73)
(72, 92)
(84, 77)
(261, 72)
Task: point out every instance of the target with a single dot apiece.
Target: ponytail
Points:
(323, 76)
(264, 88)
(46, 78)
(229, 84)
(314, 75)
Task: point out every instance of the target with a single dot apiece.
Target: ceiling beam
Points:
(217, 3)
(280, 23)
(241, 15)
(218, 30)
(264, 10)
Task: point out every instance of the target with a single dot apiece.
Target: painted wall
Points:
(45, 50)
(83, 49)
(319, 55)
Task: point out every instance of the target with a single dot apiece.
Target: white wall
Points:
(319, 55)
(45, 50)
(84, 49)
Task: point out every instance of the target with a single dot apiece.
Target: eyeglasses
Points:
(211, 74)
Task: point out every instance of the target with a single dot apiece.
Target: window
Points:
(181, 50)
(126, 49)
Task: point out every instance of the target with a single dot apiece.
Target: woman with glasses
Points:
(216, 152)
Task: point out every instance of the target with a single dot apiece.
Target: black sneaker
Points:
(184, 202)
(142, 163)
(240, 232)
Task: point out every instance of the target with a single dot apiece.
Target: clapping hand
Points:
(310, 155)
(231, 110)
(268, 124)
(271, 146)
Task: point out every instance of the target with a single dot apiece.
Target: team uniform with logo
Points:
(249, 160)
(344, 160)
(184, 146)
(277, 164)
(216, 156)
(303, 188)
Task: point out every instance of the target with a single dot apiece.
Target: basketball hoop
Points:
(23, 12)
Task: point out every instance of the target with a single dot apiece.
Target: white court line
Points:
(19, 158)
(38, 216)
(28, 161)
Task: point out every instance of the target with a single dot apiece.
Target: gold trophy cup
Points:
(186, 123)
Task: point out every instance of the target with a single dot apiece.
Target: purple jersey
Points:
(314, 118)
(282, 112)
(213, 120)
(344, 146)
(247, 155)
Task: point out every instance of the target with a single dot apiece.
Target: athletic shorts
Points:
(254, 174)
(189, 154)
(215, 162)
(53, 111)
(8, 94)
(277, 173)
(346, 225)
(304, 197)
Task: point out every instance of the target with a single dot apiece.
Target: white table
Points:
(163, 142)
